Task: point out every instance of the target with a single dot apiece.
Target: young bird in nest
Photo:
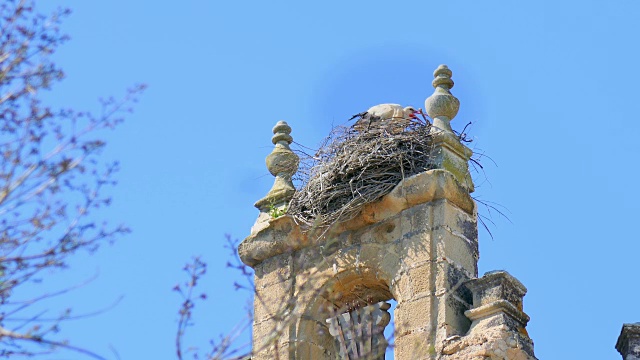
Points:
(391, 116)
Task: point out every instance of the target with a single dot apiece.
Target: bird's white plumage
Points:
(384, 115)
(390, 111)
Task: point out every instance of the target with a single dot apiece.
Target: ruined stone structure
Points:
(320, 294)
(628, 344)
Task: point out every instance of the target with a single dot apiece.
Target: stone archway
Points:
(343, 318)
(417, 244)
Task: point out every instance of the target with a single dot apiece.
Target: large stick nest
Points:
(359, 165)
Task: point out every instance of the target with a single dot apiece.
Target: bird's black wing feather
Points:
(360, 115)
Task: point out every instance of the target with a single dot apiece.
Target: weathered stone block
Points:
(309, 350)
(454, 248)
(345, 258)
(413, 346)
(415, 248)
(421, 280)
(450, 316)
(315, 331)
(628, 344)
(269, 337)
(413, 315)
(385, 231)
(448, 213)
(418, 217)
(272, 300)
(451, 279)
(400, 287)
(497, 285)
(273, 270)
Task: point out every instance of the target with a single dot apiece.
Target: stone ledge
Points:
(497, 285)
(495, 307)
(276, 236)
(428, 186)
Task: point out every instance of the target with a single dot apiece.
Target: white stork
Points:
(384, 114)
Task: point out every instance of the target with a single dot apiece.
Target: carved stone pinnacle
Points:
(441, 106)
(448, 152)
(281, 133)
(282, 163)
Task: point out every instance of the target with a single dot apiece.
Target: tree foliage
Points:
(52, 179)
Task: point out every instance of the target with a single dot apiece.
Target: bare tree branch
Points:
(52, 178)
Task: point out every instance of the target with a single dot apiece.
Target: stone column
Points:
(628, 344)
(442, 253)
(498, 322)
(438, 255)
(273, 234)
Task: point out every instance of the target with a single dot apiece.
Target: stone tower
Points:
(628, 344)
(321, 294)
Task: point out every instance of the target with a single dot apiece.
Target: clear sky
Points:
(551, 88)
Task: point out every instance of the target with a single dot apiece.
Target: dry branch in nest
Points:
(359, 165)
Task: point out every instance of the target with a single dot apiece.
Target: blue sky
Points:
(551, 89)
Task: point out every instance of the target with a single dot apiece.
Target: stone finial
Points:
(282, 163)
(628, 344)
(448, 152)
(441, 106)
